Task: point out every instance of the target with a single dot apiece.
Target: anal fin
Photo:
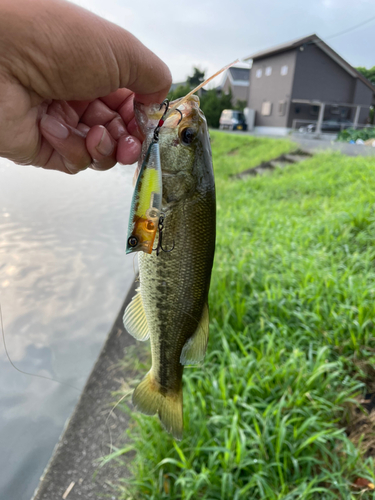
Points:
(195, 348)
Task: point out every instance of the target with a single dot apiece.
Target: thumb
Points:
(140, 70)
(76, 55)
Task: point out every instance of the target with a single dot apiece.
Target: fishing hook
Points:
(166, 104)
(161, 121)
(160, 239)
(179, 111)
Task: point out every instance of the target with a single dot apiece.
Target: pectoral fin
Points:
(135, 319)
(195, 348)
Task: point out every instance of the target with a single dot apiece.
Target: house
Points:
(306, 82)
(236, 79)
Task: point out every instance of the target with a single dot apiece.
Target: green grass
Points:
(292, 313)
(232, 151)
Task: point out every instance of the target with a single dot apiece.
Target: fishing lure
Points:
(146, 202)
(145, 212)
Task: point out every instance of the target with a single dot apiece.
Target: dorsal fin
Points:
(135, 320)
(195, 348)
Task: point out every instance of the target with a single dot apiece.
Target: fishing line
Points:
(28, 373)
(184, 99)
(57, 381)
(128, 393)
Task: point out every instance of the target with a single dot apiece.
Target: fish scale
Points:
(174, 285)
(185, 270)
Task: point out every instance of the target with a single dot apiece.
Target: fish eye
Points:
(187, 135)
(133, 241)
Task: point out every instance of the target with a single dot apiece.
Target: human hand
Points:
(67, 84)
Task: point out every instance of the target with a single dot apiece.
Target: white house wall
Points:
(273, 88)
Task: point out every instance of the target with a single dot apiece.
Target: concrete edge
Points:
(85, 435)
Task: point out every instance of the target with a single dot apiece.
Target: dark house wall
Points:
(362, 95)
(273, 88)
(318, 77)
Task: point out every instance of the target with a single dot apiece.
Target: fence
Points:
(309, 126)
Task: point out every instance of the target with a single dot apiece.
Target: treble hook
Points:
(160, 239)
(166, 104)
(180, 114)
(161, 121)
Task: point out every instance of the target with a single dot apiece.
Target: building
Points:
(305, 82)
(236, 79)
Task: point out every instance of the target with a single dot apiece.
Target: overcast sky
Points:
(209, 34)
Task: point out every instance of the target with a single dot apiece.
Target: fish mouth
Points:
(148, 117)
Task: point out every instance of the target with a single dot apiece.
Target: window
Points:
(284, 70)
(258, 73)
(268, 71)
(266, 108)
(282, 106)
(226, 114)
(238, 115)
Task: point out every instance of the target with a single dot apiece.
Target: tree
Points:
(240, 104)
(179, 91)
(211, 104)
(196, 78)
(368, 73)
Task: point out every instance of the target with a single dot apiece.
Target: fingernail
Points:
(54, 127)
(106, 145)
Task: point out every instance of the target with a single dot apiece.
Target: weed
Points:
(292, 317)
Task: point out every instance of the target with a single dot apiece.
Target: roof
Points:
(239, 74)
(177, 84)
(308, 40)
(282, 47)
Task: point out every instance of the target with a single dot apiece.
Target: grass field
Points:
(291, 338)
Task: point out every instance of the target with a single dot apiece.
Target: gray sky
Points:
(209, 34)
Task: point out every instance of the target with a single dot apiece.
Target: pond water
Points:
(63, 277)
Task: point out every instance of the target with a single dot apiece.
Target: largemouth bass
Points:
(171, 307)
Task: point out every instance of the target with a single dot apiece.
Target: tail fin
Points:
(148, 399)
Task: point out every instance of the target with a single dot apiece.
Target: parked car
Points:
(327, 126)
(335, 125)
(231, 119)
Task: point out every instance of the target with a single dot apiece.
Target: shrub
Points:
(351, 134)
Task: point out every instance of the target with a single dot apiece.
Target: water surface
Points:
(63, 278)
